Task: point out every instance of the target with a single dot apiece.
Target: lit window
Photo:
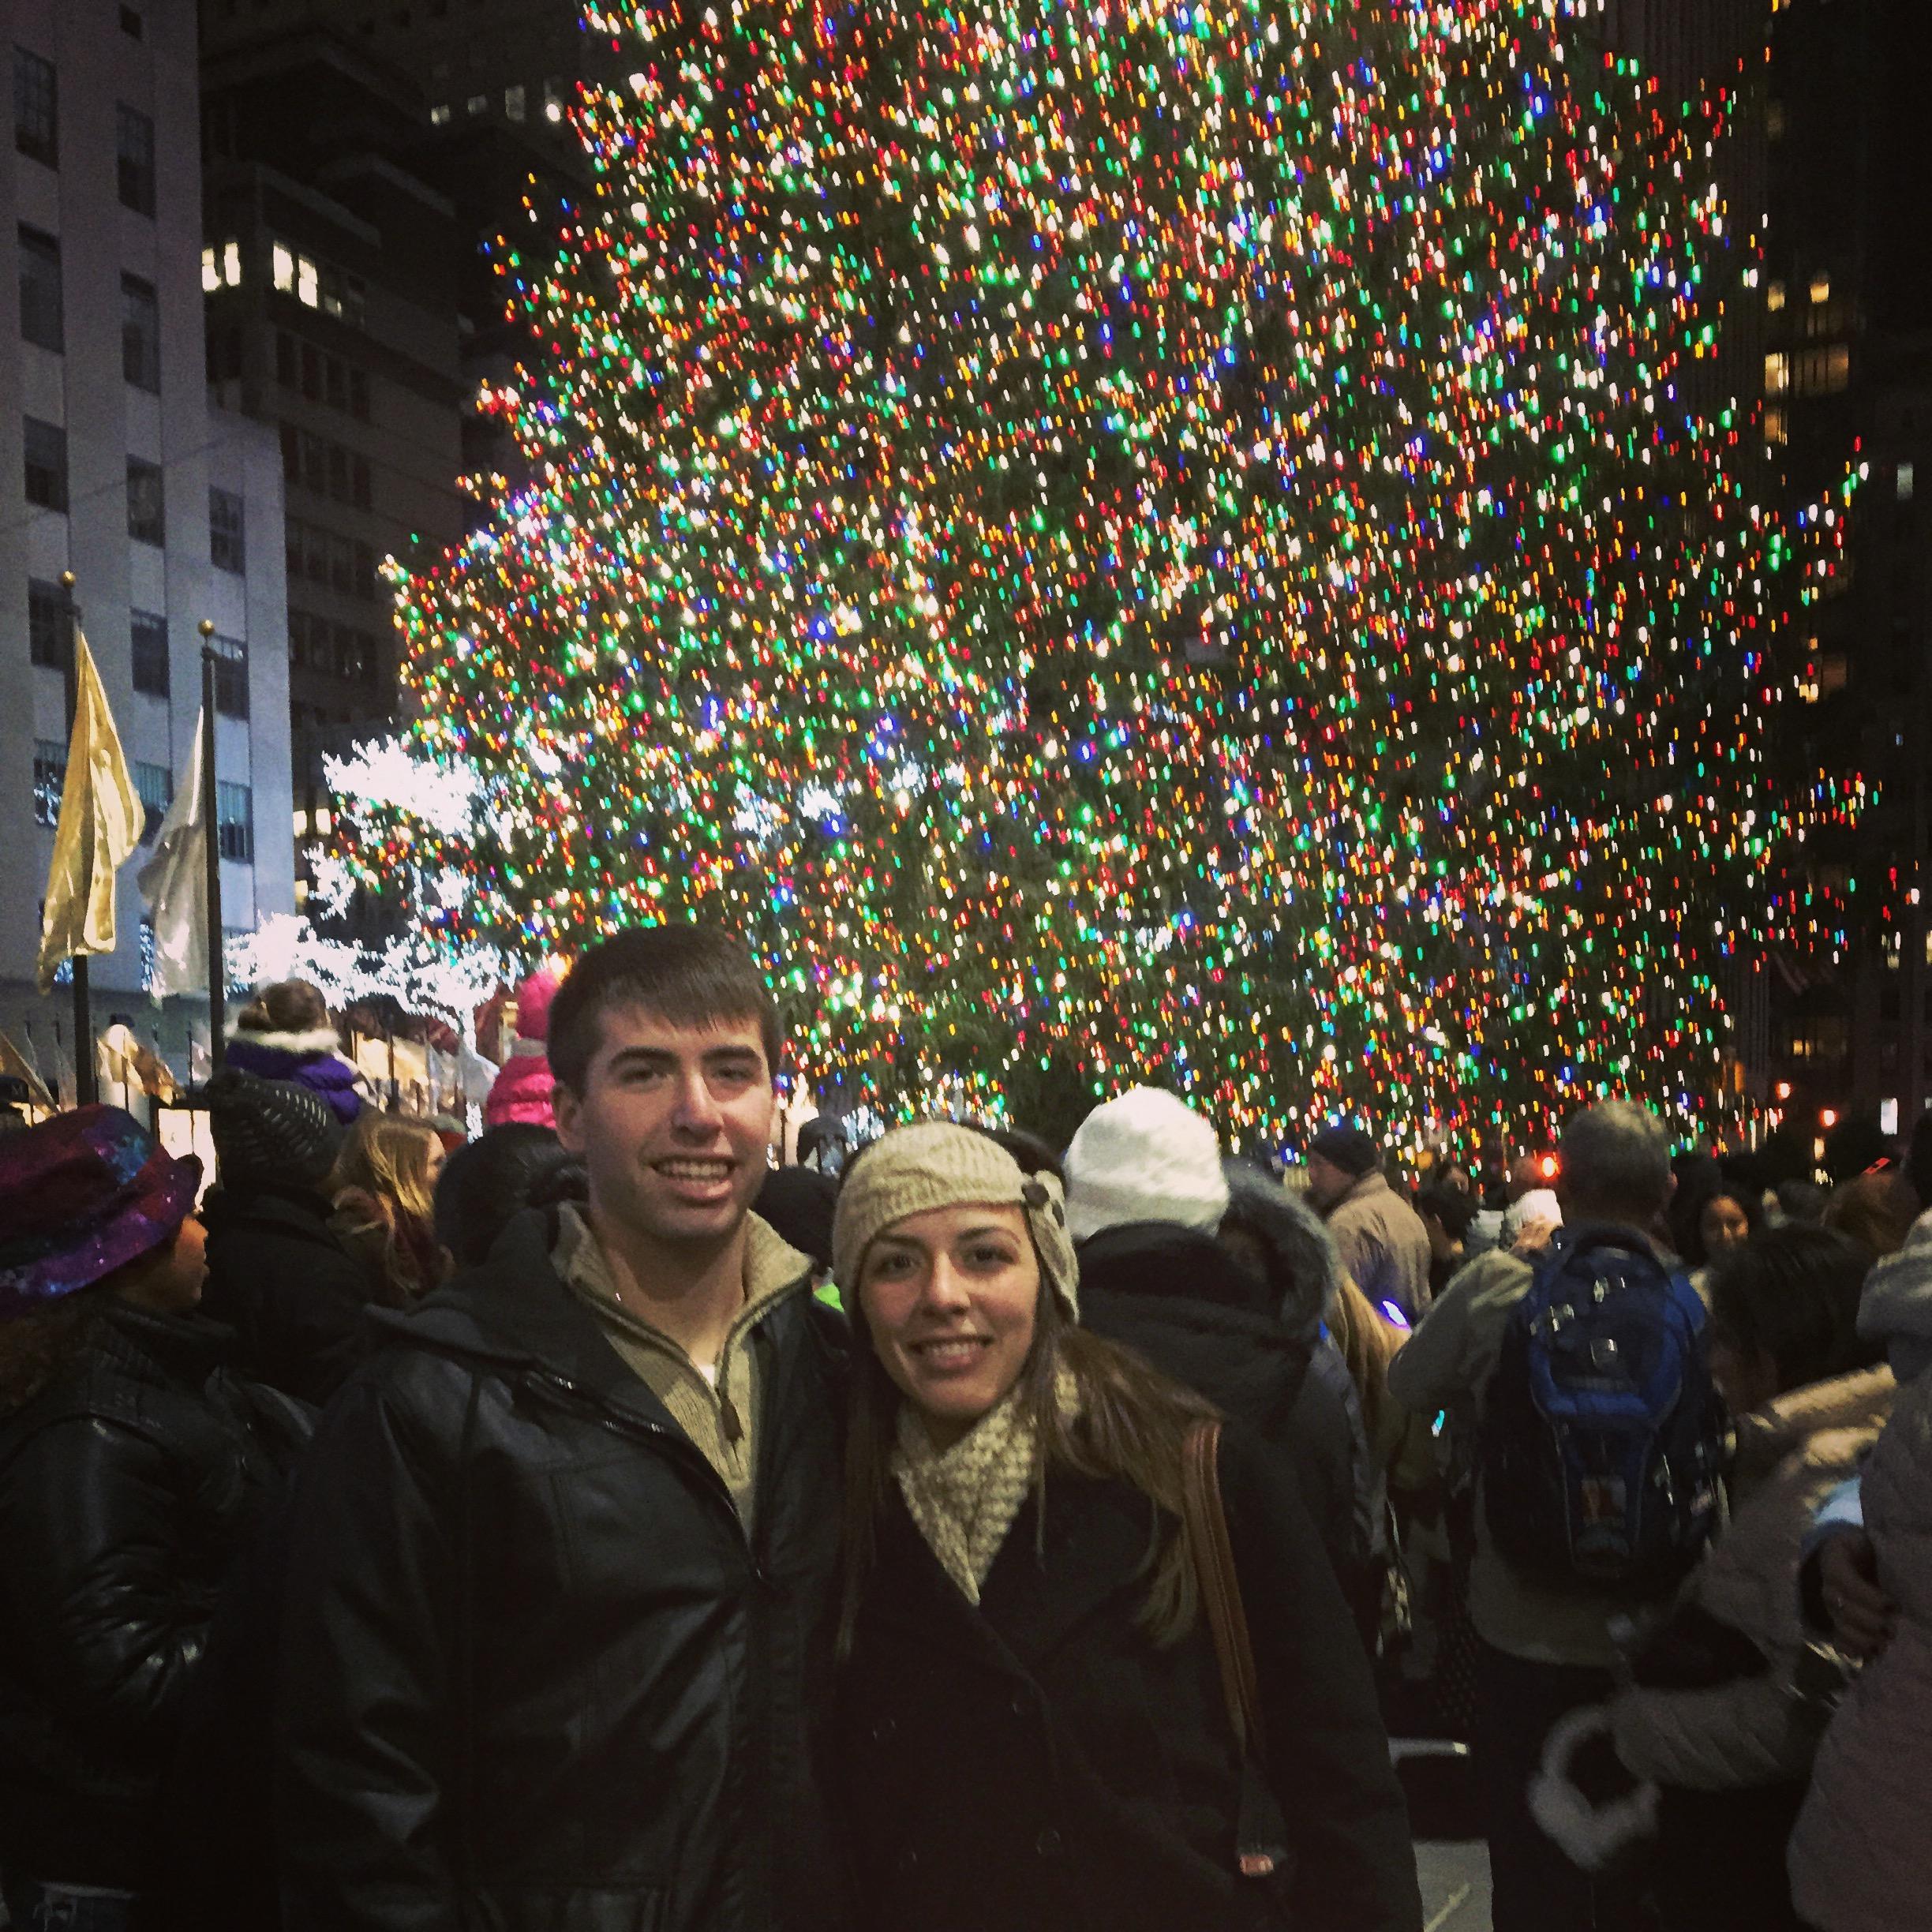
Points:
(1906, 479)
(1774, 296)
(325, 820)
(308, 283)
(476, 104)
(284, 269)
(1820, 289)
(301, 822)
(1777, 374)
(439, 114)
(211, 272)
(513, 103)
(231, 265)
(1776, 426)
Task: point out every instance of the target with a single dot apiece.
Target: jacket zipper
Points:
(573, 1398)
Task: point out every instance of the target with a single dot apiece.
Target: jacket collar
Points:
(1858, 1401)
(515, 1314)
(1039, 1591)
(1159, 1259)
(318, 1040)
(181, 1348)
(1374, 1182)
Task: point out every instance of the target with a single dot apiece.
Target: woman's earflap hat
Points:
(940, 1164)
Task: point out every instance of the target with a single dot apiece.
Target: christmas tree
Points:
(1132, 541)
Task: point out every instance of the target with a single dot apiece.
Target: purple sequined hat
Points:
(81, 1195)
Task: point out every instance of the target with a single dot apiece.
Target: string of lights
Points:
(1130, 540)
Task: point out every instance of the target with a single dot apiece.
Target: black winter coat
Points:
(295, 1296)
(1037, 1765)
(535, 1678)
(1171, 1294)
(129, 1488)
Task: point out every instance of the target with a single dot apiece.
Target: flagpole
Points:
(217, 965)
(87, 1082)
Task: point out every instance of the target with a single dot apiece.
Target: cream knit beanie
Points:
(940, 1164)
(1147, 1156)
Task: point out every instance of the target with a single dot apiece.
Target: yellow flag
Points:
(99, 826)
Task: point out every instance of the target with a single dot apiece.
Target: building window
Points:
(147, 512)
(41, 319)
(231, 691)
(155, 786)
(49, 770)
(1906, 480)
(1774, 296)
(1777, 374)
(513, 103)
(476, 104)
(234, 821)
(141, 334)
(1820, 288)
(359, 394)
(286, 360)
(49, 634)
(134, 158)
(439, 114)
(147, 635)
(315, 462)
(46, 464)
(37, 108)
(339, 472)
(361, 492)
(312, 372)
(366, 583)
(227, 531)
(221, 267)
(224, 354)
(1823, 371)
(1778, 425)
(317, 284)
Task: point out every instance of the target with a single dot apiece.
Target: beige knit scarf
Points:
(964, 1498)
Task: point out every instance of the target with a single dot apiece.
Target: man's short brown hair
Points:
(691, 975)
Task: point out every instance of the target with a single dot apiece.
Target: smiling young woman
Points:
(1033, 1729)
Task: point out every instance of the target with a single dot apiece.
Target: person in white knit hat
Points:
(1033, 1733)
(1146, 1156)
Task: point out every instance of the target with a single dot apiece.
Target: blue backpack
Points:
(1603, 1436)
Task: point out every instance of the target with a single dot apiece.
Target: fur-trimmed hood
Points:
(319, 1040)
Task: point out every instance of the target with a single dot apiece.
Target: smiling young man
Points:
(558, 1640)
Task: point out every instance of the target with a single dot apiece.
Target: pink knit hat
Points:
(533, 998)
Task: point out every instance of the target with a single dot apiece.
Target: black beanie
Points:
(1352, 1149)
(268, 1130)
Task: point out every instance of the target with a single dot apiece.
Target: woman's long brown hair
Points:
(1132, 1424)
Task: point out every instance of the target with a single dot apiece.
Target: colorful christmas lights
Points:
(1129, 541)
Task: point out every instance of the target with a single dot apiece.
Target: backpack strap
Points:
(1261, 1832)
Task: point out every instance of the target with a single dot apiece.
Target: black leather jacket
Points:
(534, 1675)
(129, 1486)
(296, 1297)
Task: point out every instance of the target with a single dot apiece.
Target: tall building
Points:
(1847, 295)
(512, 61)
(113, 465)
(334, 273)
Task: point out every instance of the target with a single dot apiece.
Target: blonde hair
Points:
(381, 1189)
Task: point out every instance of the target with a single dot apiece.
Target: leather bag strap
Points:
(1220, 1587)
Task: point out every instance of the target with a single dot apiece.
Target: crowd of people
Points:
(592, 1527)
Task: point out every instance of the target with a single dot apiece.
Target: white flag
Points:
(174, 886)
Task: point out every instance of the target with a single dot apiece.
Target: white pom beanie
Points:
(1147, 1156)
